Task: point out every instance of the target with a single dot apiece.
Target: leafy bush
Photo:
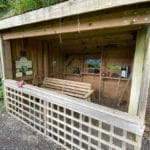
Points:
(3, 8)
(21, 6)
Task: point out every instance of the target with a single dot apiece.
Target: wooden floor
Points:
(112, 103)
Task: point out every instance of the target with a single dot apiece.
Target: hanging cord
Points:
(100, 71)
(60, 34)
(78, 23)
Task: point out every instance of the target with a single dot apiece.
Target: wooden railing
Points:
(73, 123)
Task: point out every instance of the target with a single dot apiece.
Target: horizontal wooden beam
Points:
(68, 8)
(96, 21)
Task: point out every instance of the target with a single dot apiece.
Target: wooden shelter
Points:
(100, 42)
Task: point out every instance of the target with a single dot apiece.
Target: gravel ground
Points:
(14, 135)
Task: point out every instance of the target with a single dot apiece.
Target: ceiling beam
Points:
(140, 16)
(65, 9)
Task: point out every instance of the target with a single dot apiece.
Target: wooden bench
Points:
(71, 88)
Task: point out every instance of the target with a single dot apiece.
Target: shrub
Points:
(1, 90)
(13, 7)
(21, 6)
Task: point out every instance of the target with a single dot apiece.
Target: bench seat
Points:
(72, 88)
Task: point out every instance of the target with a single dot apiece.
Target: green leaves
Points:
(15, 7)
(2, 109)
(1, 90)
(3, 6)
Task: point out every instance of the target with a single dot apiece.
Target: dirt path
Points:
(14, 135)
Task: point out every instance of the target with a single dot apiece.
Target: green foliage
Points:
(21, 6)
(3, 8)
(1, 93)
(49, 2)
(1, 90)
(2, 109)
(113, 67)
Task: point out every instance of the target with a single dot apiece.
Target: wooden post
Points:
(137, 71)
(145, 79)
(3, 67)
(46, 68)
(7, 59)
(2, 57)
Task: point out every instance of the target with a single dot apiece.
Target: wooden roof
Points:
(68, 8)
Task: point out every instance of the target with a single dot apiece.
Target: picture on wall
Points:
(23, 67)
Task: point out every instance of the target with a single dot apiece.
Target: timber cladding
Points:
(114, 18)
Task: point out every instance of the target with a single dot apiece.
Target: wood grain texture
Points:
(126, 18)
(2, 57)
(137, 71)
(69, 8)
(145, 83)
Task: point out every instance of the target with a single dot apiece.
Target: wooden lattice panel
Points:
(70, 128)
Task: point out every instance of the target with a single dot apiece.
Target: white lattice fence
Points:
(72, 123)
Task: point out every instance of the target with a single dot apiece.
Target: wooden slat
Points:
(137, 72)
(68, 82)
(124, 18)
(8, 60)
(65, 88)
(2, 57)
(110, 116)
(72, 88)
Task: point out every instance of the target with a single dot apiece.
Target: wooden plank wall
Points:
(117, 50)
(56, 60)
(49, 57)
(116, 57)
(46, 61)
(34, 52)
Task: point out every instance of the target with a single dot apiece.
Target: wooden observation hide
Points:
(108, 49)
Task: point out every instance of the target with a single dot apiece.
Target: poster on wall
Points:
(23, 67)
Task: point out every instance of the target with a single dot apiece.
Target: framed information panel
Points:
(23, 67)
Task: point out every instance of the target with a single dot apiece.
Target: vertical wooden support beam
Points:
(46, 68)
(8, 60)
(3, 67)
(137, 71)
(145, 79)
(2, 57)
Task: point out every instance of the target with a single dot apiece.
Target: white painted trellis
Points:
(72, 123)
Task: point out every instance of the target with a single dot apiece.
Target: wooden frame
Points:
(68, 8)
(67, 119)
(42, 110)
(145, 83)
(75, 89)
(2, 57)
(134, 17)
(141, 78)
